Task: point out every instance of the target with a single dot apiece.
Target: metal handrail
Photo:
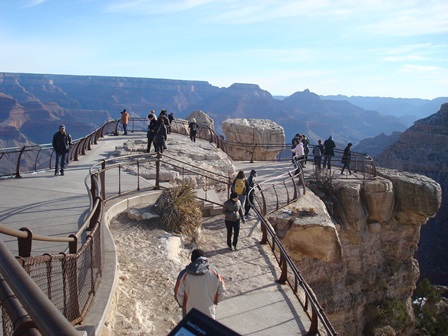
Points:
(317, 313)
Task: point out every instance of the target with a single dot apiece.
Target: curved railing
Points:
(128, 174)
(27, 159)
(264, 204)
(32, 158)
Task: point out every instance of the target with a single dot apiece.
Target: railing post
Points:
(25, 244)
(73, 246)
(102, 179)
(284, 267)
(18, 163)
(313, 326)
(159, 156)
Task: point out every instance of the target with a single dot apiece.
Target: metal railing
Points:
(70, 280)
(32, 158)
(270, 196)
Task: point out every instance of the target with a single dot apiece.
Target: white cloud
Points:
(33, 3)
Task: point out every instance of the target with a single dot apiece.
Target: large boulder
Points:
(253, 139)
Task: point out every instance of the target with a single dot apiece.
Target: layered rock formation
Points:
(85, 99)
(364, 252)
(253, 139)
(423, 149)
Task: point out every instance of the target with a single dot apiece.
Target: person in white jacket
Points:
(299, 153)
(199, 285)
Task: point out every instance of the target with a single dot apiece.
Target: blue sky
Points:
(369, 48)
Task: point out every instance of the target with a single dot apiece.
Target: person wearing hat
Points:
(199, 285)
(346, 158)
(62, 142)
(233, 215)
(250, 195)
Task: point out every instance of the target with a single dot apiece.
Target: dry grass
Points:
(179, 210)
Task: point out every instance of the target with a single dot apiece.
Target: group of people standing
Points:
(322, 153)
(158, 130)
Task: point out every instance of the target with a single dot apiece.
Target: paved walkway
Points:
(57, 206)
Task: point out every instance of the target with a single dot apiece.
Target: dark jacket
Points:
(62, 142)
(151, 127)
(329, 146)
(346, 157)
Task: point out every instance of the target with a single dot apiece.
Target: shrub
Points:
(179, 210)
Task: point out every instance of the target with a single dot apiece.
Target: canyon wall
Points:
(358, 248)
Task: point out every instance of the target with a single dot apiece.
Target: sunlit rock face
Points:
(365, 250)
(253, 139)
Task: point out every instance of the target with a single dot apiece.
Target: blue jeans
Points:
(60, 157)
(125, 129)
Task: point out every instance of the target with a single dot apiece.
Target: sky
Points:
(351, 47)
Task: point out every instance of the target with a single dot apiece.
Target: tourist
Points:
(233, 214)
(193, 126)
(299, 155)
(125, 121)
(250, 195)
(151, 126)
(160, 135)
(62, 142)
(329, 147)
(199, 285)
(346, 158)
(318, 150)
(306, 150)
(239, 186)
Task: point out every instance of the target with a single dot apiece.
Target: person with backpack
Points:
(239, 186)
(306, 150)
(193, 126)
(233, 214)
(318, 150)
(250, 195)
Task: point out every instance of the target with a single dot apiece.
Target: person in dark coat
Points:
(250, 196)
(160, 135)
(62, 143)
(346, 158)
(329, 147)
(193, 126)
(151, 126)
(233, 215)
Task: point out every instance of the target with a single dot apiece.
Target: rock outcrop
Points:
(253, 139)
(423, 149)
(365, 251)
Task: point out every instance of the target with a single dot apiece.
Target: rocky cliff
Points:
(358, 247)
(80, 101)
(423, 149)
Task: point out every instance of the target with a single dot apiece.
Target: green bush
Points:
(179, 210)
(430, 322)
(386, 318)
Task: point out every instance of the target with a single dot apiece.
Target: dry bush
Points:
(179, 210)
